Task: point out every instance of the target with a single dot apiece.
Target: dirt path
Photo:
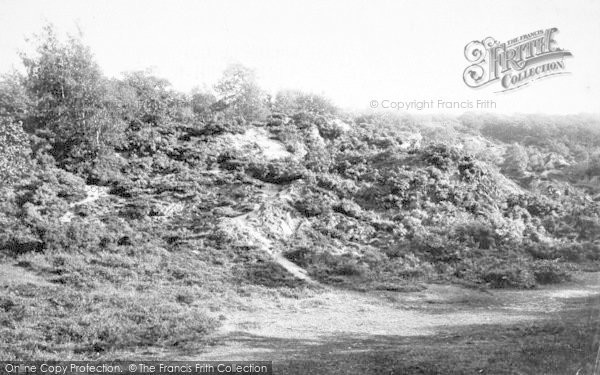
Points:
(334, 323)
(288, 328)
(93, 194)
(265, 225)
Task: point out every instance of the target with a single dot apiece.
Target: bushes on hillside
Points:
(294, 101)
(384, 195)
(441, 156)
(14, 150)
(34, 207)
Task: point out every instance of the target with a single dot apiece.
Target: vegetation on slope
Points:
(367, 201)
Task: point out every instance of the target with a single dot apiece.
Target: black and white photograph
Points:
(299, 187)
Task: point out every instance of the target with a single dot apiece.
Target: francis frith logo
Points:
(515, 63)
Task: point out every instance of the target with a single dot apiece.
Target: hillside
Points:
(275, 207)
(136, 219)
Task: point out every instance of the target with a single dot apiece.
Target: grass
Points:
(102, 305)
(564, 344)
(106, 286)
(126, 300)
(51, 323)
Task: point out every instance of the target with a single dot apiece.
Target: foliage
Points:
(14, 101)
(70, 109)
(515, 162)
(202, 103)
(239, 94)
(14, 150)
(294, 101)
(149, 99)
(371, 201)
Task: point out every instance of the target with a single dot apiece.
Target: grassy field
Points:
(565, 344)
(440, 330)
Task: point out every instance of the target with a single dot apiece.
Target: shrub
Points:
(549, 272)
(348, 267)
(201, 103)
(440, 156)
(14, 150)
(349, 208)
(469, 169)
(329, 129)
(76, 236)
(294, 101)
(540, 250)
(107, 168)
(21, 241)
(479, 234)
(276, 172)
(311, 205)
(136, 210)
(507, 275)
(218, 126)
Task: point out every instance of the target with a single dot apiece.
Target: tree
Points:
(515, 161)
(293, 101)
(14, 150)
(239, 94)
(202, 103)
(14, 101)
(69, 103)
(150, 100)
(593, 166)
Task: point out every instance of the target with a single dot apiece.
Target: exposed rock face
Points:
(266, 227)
(259, 142)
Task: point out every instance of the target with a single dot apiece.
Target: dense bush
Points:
(505, 275)
(76, 236)
(547, 272)
(239, 95)
(277, 172)
(441, 156)
(70, 106)
(294, 101)
(14, 150)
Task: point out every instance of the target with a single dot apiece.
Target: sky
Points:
(353, 51)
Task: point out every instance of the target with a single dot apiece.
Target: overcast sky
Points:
(352, 51)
